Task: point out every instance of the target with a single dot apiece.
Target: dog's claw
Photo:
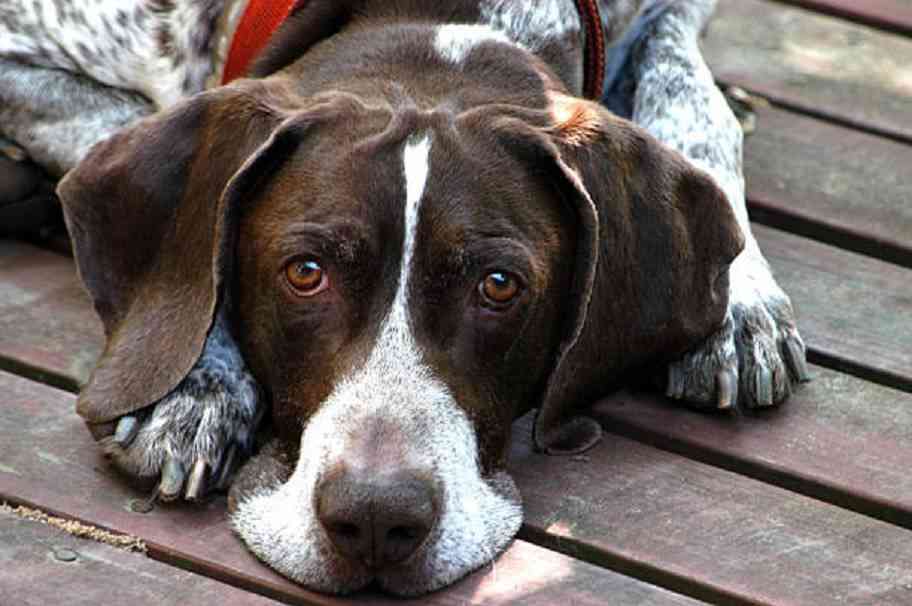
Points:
(763, 387)
(183, 440)
(675, 387)
(727, 389)
(126, 430)
(196, 482)
(756, 358)
(172, 479)
(796, 357)
(226, 468)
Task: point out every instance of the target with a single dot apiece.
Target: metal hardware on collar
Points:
(594, 53)
(260, 20)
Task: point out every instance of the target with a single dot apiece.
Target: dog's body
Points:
(406, 232)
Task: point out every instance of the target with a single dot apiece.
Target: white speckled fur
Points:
(677, 101)
(115, 42)
(531, 23)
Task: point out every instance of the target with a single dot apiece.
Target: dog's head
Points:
(407, 275)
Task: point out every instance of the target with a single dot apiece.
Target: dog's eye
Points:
(306, 277)
(499, 289)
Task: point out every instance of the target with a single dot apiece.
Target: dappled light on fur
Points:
(574, 121)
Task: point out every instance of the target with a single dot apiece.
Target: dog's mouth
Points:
(271, 511)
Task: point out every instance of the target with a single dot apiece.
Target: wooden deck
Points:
(808, 504)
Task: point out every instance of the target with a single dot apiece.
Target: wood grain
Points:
(839, 439)
(34, 575)
(47, 326)
(49, 461)
(831, 183)
(821, 65)
(854, 311)
(718, 535)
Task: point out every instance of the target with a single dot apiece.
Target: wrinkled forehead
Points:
(359, 170)
(479, 187)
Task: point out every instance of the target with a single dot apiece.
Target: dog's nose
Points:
(377, 519)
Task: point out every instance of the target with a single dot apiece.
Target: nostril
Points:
(352, 541)
(402, 541)
(403, 533)
(345, 531)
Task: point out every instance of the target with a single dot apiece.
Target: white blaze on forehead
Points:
(455, 41)
(415, 166)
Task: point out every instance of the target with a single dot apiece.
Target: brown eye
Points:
(306, 277)
(499, 288)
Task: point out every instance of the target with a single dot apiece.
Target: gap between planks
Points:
(39, 375)
(832, 69)
(637, 568)
(842, 364)
(170, 557)
(862, 500)
(894, 16)
(765, 212)
(805, 109)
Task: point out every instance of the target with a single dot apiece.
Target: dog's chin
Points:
(277, 527)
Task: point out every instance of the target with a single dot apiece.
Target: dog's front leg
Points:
(56, 116)
(194, 438)
(758, 354)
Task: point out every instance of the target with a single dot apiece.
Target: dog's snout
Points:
(377, 519)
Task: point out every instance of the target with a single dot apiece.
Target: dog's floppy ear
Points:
(654, 239)
(150, 214)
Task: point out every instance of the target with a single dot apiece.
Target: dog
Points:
(402, 231)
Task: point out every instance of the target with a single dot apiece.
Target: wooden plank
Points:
(821, 65)
(854, 312)
(839, 439)
(676, 522)
(43, 565)
(831, 183)
(48, 460)
(716, 534)
(890, 15)
(47, 325)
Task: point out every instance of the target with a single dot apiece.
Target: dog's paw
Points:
(757, 356)
(192, 440)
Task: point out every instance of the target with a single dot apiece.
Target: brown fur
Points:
(630, 242)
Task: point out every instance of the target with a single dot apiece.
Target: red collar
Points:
(594, 53)
(263, 17)
(260, 20)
